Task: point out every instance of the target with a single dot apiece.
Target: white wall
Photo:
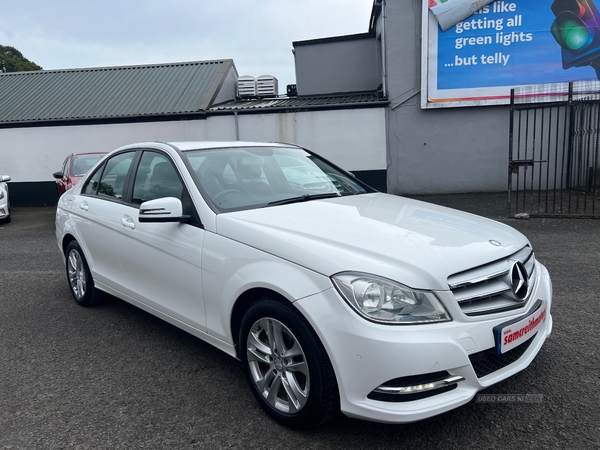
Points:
(33, 154)
(353, 139)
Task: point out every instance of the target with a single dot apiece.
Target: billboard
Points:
(508, 43)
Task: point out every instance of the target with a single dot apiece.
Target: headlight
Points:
(386, 301)
(1, 194)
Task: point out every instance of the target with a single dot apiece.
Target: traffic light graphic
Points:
(577, 30)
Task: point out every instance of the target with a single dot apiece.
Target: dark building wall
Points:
(438, 150)
(335, 65)
(33, 193)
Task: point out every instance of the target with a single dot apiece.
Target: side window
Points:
(65, 167)
(92, 184)
(156, 178)
(112, 182)
(109, 179)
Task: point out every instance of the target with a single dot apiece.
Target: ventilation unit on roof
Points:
(246, 86)
(266, 86)
(292, 90)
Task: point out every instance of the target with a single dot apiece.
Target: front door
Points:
(161, 262)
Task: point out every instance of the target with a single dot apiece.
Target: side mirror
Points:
(57, 175)
(4, 178)
(167, 209)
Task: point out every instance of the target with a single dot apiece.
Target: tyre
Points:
(79, 277)
(7, 219)
(287, 366)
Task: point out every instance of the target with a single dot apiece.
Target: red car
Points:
(75, 166)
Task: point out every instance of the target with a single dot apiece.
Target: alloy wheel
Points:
(278, 365)
(77, 276)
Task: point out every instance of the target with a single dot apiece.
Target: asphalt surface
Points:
(115, 377)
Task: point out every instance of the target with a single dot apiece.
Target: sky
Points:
(256, 34)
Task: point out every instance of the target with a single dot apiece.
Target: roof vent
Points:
(292, 90)
(266, 86)
(246, 86)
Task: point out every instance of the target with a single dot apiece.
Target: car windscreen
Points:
(83, 163)
(253, 177)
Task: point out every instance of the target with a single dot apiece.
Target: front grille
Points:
(487, 361)
(488, 289)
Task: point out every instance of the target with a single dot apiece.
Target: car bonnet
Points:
(416, 243)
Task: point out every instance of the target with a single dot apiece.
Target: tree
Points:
(12, 60)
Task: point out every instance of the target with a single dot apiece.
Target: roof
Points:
(111, 92)
(292, 103)
(375, 12)
(329, 40)
(203, 145)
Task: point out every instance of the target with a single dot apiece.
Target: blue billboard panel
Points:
(512, 43)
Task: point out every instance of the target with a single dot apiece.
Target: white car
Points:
(386, 308)
(4, 199)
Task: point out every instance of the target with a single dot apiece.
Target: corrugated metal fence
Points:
(554, 151)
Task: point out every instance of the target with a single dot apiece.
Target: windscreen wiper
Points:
(303, 198)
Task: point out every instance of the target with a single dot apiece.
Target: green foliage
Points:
(12, 60)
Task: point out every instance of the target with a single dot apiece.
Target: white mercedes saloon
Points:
(333, 296)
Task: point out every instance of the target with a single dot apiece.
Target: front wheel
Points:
(79, 276)
(287, 366)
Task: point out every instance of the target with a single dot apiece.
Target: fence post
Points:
(510, 147)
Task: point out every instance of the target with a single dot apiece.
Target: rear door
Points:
(96, 213)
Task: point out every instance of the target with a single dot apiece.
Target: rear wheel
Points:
(286, 365)
(79, 276)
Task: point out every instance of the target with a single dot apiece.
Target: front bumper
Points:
(367, 355)
(4, 213)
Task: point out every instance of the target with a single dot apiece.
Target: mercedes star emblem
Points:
(519, 280)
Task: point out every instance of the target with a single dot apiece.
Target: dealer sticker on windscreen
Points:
(514, 334)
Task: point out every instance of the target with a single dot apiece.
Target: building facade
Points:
(358, 101)
(428, 150)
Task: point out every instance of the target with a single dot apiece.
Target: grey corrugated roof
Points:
(353, 99)
(110, 92)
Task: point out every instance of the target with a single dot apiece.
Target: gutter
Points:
(202, 115)
(277, 109)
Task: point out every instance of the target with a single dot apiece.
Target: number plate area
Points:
(512, 334)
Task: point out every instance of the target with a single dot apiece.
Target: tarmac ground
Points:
(113, 376)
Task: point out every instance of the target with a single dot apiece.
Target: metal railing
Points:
(554, 151)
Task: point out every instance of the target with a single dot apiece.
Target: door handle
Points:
(84, 206)
(127, 222)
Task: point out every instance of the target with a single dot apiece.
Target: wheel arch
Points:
(324, 382)
(67, 239)
(244, 302)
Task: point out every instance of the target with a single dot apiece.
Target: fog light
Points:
(403, 390)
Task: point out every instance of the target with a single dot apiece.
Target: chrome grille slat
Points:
(489, 307)
(487, 289)
(478, 280)
(481, 291)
